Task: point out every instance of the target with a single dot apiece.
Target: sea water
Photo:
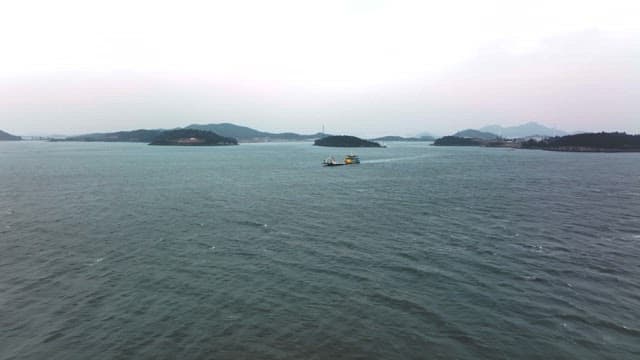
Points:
(256, 251)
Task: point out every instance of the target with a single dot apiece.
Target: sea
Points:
(256, 251)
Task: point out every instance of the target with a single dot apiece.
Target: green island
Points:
(345, 141)
(588, 142)
(585, 142)
(458, 141)
(191, 137)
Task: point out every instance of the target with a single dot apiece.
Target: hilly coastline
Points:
(246, 134)
(142, 135)
(240, 133)
(231, 134)
(588, 142)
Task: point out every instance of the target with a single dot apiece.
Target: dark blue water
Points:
(257, 252)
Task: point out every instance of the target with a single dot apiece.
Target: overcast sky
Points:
(365, 67)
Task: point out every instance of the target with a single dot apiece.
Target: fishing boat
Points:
(351, 159)
(331, 161)
(348, 160)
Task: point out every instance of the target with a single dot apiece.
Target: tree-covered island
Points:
(345, 141)
(191, 137)
(588, 142)
(458, 141)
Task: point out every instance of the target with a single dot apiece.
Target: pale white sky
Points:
(364, 67)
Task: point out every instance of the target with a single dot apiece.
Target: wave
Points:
(378, 161)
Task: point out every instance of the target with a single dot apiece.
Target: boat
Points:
(331, 161)
(351, 159)
(348, 160)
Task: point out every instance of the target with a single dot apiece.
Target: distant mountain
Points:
(425, 134)
(145, 136)
(345, 141)
(475, 134)
(4, 136)
(524, 130)
(192, 137)
(246, 134)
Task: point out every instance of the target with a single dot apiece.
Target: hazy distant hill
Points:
(524, 130)
(243, 133)
(4, 136)
(475, 134)
(146, 136)
(425, 134)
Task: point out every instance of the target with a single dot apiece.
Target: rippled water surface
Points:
(257, 252)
